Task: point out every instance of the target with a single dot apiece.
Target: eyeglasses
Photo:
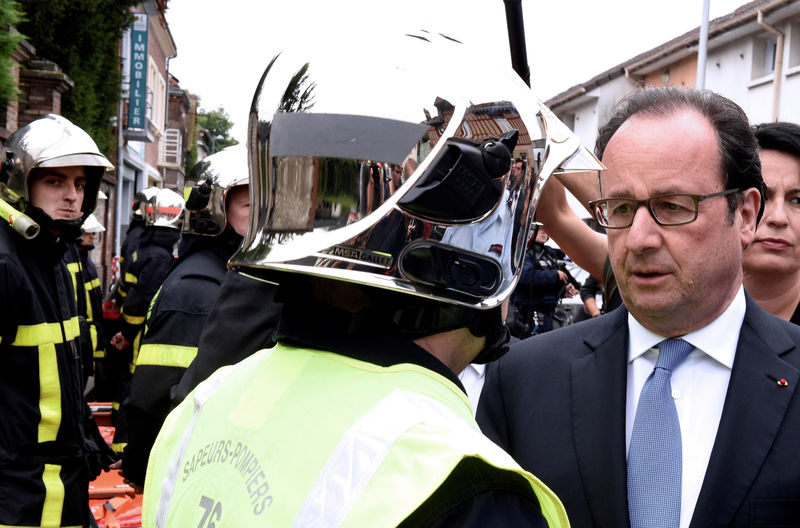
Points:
(666, 210)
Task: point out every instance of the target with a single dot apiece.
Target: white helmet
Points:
(92, 225)
(324, 130)
(165, 209)
(207, 187)
(50, 141)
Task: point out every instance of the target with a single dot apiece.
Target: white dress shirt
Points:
(472, 378)
(699, 386)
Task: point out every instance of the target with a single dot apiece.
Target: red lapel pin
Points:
(782, 382)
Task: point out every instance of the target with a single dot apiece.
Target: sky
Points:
(223, 47)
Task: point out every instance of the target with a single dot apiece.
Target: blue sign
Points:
(137, 100)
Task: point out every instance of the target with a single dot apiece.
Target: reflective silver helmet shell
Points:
(140, 201)
(50, 141)
(326, 136)
(207, 187)
(165, 209)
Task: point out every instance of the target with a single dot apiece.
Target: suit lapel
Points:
(754, 409)
(598, 383)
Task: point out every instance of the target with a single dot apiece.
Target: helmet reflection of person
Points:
(217, 197)
(375, 328)
(51, 447)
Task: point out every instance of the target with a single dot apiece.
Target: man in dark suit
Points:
(584, 408)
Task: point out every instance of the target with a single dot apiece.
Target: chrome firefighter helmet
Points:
(207, 187)
(140, 201)
(165, 209)
(50, 141)
(325, 130)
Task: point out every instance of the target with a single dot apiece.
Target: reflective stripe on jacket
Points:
(295, 436)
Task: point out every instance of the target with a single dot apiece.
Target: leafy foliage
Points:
(299, 94)
(218, 124)
(191, 155)
(10, 16)
(82, 37)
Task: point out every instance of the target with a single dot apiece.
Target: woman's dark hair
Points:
(781, 136)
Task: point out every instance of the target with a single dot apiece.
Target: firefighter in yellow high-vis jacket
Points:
(49, 445)
(356, 417)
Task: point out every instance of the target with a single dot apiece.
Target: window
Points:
(794, 44)
(769, 54)
(156, 99)
(125, 55)
(171, 151)
(764, 51)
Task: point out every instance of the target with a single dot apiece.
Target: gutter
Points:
(777, 78)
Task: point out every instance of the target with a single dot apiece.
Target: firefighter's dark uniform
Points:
(170, 341)
(242, 322)
(141, 276)
(132, 240)
(89, 301)
(48, 441)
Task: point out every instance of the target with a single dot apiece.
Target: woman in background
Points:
(772, 262)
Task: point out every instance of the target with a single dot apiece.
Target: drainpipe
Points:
(778, 73)
(166, 123)
(120, 168)
(702, 50)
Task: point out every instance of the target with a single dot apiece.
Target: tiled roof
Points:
(716, 27)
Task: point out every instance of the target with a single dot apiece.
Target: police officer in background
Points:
(356, 416)
(141, 277)
(544, 281)
(49, 445)
(219, 204)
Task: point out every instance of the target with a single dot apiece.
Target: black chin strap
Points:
(66, 229)
(427, 318)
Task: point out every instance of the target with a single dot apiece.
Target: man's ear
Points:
(748, 211)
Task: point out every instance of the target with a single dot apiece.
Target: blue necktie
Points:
(654, 456)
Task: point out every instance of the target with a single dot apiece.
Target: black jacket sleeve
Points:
(241, 323)
(150, 271)
(476, 495)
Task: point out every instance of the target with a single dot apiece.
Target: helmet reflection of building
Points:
(51, 448)
(374, 328)
(216, 191)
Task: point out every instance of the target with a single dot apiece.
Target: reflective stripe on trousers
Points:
(44, 337)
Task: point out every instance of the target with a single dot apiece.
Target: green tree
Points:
(82, 37)
(218, 125)
(10, 16)
(299, 94)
